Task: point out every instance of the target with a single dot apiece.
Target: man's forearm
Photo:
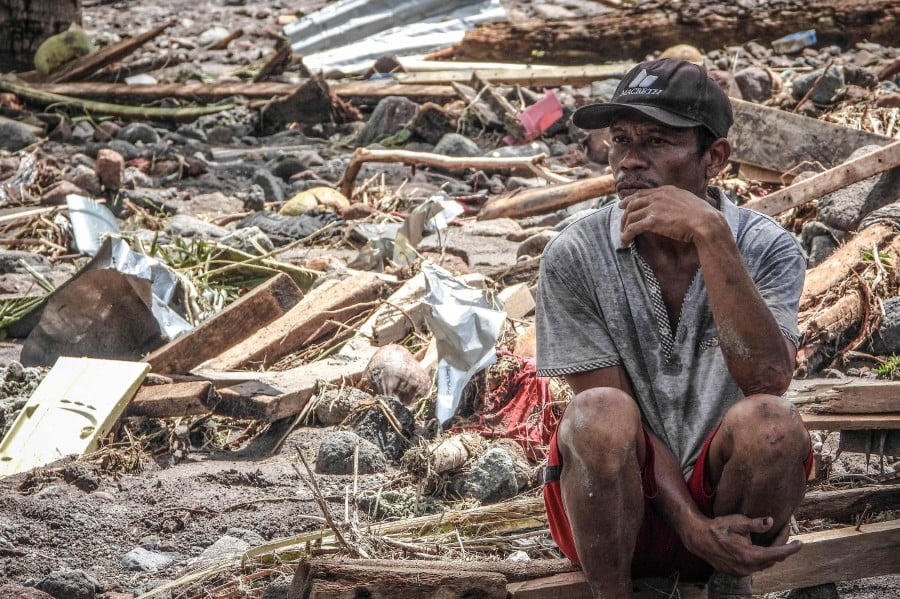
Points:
(673, 500)
(755, 351)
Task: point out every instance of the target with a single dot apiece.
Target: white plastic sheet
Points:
(466, 326)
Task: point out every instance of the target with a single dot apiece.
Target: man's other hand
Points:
(725, 542)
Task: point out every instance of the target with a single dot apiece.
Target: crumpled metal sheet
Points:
(380, 27)
(466, 326)
(118, 307)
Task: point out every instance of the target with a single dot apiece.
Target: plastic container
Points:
(795, 42)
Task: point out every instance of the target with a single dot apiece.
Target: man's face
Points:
(645, 154)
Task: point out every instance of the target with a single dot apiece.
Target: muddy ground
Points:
(87, 515)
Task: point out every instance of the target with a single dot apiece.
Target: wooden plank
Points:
(288, 391)
(851, 396)
(217, 92)
(850, 422)
(318, 314)
(238, 321)
(173, 400)
(539, 76)
(75, 405)
(779, 140)
(838, 177)
(828, 556)
(836, 555)
(845, 504)
(86, 65)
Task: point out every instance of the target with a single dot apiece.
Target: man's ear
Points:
(718, 154)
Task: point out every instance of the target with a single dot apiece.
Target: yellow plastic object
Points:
(75, 405)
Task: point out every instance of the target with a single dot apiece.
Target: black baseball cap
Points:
(674, 92)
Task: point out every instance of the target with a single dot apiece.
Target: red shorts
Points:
(659, 551)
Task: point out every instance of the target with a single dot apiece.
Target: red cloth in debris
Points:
(519, 408)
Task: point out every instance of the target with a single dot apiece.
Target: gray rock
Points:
(135, 177)
(845, 208)
(145, 560)
(454, 144)
(861, 76)
(822, 591)
(755, 84)
(820, 248)
(335, 405)
(492, 477)
(70, 584)
(285, 166)
(275, 590)
(191, 132)
(127, 149)
(534, 245)
(182, 225)
(886, 340)
(245, 534)
(524, 150)
(249, 240)
(12, 261)
(336, 455)
(15, 136)
(602, 91)
(390, 116)
(373, 426)
(254, 198)
(828, 90)
(495, 227)
(135, 133)
(272, 186)
(85, 178)
(514, 183)
(224, 547)
(17, 591)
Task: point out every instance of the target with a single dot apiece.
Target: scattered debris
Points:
(316, 249)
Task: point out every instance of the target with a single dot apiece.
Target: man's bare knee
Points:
(602, 428)
(766, 429)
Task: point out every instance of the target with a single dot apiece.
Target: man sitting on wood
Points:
(672, 314)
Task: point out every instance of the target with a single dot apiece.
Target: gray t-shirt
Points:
(600, 305)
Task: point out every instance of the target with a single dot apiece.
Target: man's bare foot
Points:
(725, 586)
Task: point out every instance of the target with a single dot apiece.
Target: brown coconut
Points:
(394, 371)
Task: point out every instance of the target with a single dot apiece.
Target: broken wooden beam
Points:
(318, 314)
(357, 91)
(851, 422)
(827, 556)
(836, 555)
(848, 396)
(543, 200)
(844, 505)
(238, 321)
(328, 578)
(173, 400)
(276, 395)
(818, 185)
(86, 65)
(537, 77)
(778, 140)
(652, 26)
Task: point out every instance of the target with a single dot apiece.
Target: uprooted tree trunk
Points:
(840, 307)
(652, 26)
